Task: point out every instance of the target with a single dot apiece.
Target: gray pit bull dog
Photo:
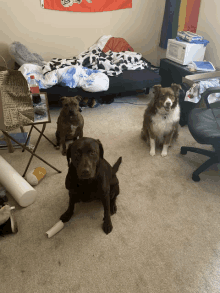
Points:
(70, 122)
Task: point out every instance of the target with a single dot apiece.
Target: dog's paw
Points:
(66, 217)
(152, 153)
(113, 209)
(107, 227)
(164, 154)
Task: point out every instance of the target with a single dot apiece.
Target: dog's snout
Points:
(71, 112)
(168, 103)
(85, 172)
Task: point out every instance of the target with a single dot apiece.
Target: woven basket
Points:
(15, 99)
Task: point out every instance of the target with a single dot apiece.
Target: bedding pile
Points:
(89, 70)
(110, 63)
(71, 76)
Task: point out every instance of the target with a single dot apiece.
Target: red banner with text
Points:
(86, 5)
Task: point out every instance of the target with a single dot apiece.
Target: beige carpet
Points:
(165, 234)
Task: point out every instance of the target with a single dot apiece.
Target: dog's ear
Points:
(68, 154)
(156, 88)
(62, 99)
(79, 98)
(101, 150)
(176, 88)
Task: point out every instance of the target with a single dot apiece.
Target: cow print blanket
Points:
(110, 63)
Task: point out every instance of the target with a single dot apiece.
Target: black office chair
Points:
(204, 125)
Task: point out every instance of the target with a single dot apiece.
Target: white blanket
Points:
(71, 76)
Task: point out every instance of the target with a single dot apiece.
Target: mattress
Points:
(128, 81)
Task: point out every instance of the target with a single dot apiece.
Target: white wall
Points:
(66, 34)
(209, 27)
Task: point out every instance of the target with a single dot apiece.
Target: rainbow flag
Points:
(179, 15)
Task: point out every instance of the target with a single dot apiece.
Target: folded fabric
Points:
(192, 38)
(189, 36)
(202, 42)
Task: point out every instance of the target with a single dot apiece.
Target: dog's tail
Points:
(116, 165)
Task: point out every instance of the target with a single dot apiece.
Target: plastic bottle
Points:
(34, 88)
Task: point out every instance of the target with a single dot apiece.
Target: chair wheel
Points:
(183, 151)
(195, 178)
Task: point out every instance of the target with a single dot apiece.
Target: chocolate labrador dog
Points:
(91, 177)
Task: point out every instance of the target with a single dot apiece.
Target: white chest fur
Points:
(162, 123)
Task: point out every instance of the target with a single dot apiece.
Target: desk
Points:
(37, 120)
(172, 72)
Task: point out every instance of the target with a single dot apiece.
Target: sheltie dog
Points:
(161, 118)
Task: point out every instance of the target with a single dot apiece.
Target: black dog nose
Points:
(71, 112)
(85, 172)
(168, 104)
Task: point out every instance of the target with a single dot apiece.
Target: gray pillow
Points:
(22, 55)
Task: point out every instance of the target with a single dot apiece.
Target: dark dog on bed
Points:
(91, 177)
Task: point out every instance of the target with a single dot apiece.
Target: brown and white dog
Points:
(161, 118)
